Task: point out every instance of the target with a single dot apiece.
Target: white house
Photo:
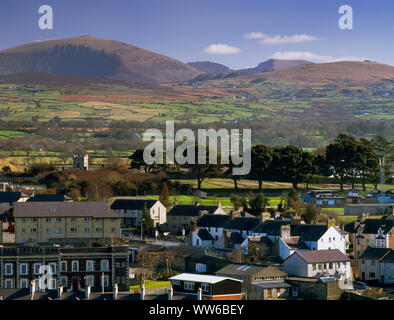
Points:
(319, 264)
(309, 237)
(377, 264)
(132, 209)
(214, 224)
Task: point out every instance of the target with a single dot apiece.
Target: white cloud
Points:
(220, 48)
(310, 56)
(297, 38)
(255, 35)
(278, 39)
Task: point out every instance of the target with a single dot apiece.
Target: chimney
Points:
(142, 296)
(59, 291)
(331, 223)
(265, 216)
(170, 293)
(285, 231)
(219, 204)
(87, 292)
(115, 293)
(199, 295)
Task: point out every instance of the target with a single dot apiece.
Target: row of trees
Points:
(347, 159)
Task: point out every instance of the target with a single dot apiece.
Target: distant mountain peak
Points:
(94, 57)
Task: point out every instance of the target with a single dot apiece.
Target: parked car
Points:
(359, 285)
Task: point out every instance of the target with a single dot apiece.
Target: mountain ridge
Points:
(94, 57)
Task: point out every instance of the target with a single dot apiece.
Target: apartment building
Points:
(42, 221)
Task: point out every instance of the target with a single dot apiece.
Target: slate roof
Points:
(191, 210)
(132, 204)
(242, 224)
(204, 235)
(319, 256)
(250, 270)
(375, 253)
(49, 198)
(295, 243)
(389, 258)
(272, 284)
(213, 220)
(11, 196)
(271, 227)
(236, 238)
(309, 232)
(93, 209)
(371, 226)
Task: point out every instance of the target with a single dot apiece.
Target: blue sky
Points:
(214, 30)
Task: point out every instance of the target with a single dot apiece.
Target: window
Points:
(23, 269)
(52, 267)
(104, 265)
(98, 219)
(113, 219)
(48, 231)
(48, 220)
(37, 268)
(320, 266)
(74, 219)
(23, 231)
(58, 219)
(176, 283)
(188, 285)
(87, 219)
(113, 230)
(9, 269)
(372, 262)
(63, 281)
(99, 229)
(313, 266)
(33, 220)
(75, 266)
(87, 230)
(23, 283)
(23, 220)
(59, 230)
(73, 230)
(105, 279)
(52, 284)
(330, 265)
(9, 283)
(205, 287)
(89, 281)
(372, 274)
(63, 266)
(89, 265)
(33, 230)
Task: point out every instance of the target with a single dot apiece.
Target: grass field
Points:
(224, 201)
(151, 284)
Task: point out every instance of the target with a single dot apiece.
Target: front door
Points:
(75, 284)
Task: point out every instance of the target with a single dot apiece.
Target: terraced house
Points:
(42, 221)
(45, 267)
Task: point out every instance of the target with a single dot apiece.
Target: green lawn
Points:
(151, 284)
(225, 201)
